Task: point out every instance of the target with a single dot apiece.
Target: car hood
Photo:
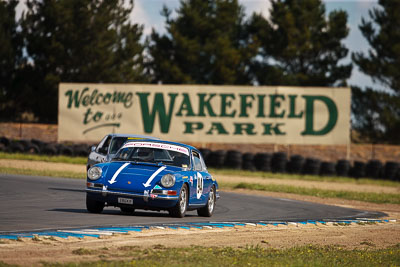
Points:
(127, 176)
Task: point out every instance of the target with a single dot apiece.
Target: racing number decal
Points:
(199, 185)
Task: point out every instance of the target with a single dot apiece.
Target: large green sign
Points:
(208, 114)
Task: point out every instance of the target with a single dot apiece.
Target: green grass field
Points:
(249, 256)
(350, 195)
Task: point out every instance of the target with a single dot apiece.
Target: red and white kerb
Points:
(175, 148)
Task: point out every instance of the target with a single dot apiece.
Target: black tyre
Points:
(233, 159)
(16, 147)
(65, 150)
(358, 169)
(327, 169)
(208, 210)
(312, 166)
(374, 169)
(390, 171)
(179, 211)
(278, 162)
(343, 167)
(5, 141)
(32, 149)
(248, 162)
(39, 143)
(49, 149)
(24, 143)
(262, 161)
(295, 164)
(94, 206)
(217, 158)
(81, 151)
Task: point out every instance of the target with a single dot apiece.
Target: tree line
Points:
(205, 42)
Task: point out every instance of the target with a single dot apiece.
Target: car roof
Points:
(134, 136)
(166, 142)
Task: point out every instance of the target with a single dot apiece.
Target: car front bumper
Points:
(140, 200)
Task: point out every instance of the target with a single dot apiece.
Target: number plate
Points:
(125, 200)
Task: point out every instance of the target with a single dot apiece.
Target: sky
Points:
(147, 13)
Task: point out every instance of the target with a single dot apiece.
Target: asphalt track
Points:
(29, 203)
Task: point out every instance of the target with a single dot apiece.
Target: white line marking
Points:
(113, 179)
(87, 232)
(147, 184)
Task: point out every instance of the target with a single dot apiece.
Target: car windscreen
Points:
(116, 144)
(148, 153)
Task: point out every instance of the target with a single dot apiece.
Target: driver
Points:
(145, 154)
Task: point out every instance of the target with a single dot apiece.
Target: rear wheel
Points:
(180, 208)
(208, 210)
(94, 206)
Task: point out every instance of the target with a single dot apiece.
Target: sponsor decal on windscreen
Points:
(159, 146)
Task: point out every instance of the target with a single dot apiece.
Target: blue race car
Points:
(153, 175)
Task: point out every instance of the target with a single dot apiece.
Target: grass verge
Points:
(258, 174)
(50, 173)
(350, 195)
(287, 176)
(248, 256)
(59, 159)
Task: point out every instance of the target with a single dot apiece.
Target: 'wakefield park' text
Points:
(229, 114)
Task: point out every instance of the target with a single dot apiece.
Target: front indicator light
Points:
(171, 193)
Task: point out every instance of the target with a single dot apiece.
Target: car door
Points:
(201, 180)
(207, 178)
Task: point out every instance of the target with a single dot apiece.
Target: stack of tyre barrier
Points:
(248, 162)
(327, 169)
(216, 159)
(34, 146)
(279, 162)
(343, 167)
(262, 162)
(296, 164)
(233, 159)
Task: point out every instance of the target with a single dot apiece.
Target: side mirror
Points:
(93, 148)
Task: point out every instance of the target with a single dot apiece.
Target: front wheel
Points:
(94, 206)
(180, 208)
(208, 210)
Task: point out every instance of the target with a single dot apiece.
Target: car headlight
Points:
(94, 173)
(168, 180)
